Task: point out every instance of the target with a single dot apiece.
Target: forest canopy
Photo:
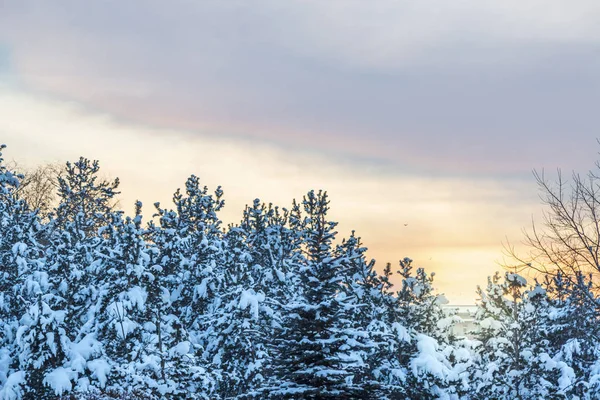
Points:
(97, 304)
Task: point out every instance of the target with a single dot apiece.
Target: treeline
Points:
(95, 304)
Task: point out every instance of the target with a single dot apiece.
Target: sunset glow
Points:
(425, 141)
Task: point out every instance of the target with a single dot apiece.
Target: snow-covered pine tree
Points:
(274, 248)
(74, 256)
(86, 199)
(195, 229)
(263, 249)
(18, 226)
(43, 346)
(125, 323)
(428, 353)
(422, 308)
(366, 329)
(178, 363)
(313, 356)
(388, 360)
(514, 353)
(235, 342)
(191, 245)
(238, 335)
(274, 245)
(570, 324)
(259, 278)
(22, 280)
(55, 334)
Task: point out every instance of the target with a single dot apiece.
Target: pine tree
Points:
(178, 363)
(190, 241)
(75, 255)
(428, 353)
(570, 324)
(125, 325)
(273, 244)
(233, 340)
(74, 264)
(389, 360)
(421, 306)
(363, 297)
(236, 346)
(515, 359)
(194, 229)
(314, 360)
(22, 283)
(85, 198)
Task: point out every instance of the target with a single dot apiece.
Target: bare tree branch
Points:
(39, 186)
(566, 241)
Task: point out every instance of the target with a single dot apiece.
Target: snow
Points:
(441, 299)
(19, 249)
(538, 290)
(12, 389)
(571, 348)
(401, 332)
(252, 299)
(136, 296)
(447, 322)
(59, 380)
(201, 290)
(80, 352)
(567, 376)
(182, 348)
(428, 360)
(100, 368)
(491, 323)
(122, 324)
(516, 278)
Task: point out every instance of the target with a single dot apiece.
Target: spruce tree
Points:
(23, 282)
(314, 360)
(235, 345)
(125, 325)
(364, 325)
(425, 355)
(194, 230)
(189, 237)
(570, 324)
(75, 261)
(516, 360)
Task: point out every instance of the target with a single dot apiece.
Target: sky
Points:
(422, 119)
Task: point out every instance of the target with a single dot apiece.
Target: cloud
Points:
(444, 216)
(392, 33)
(425, 113)
(461, 87)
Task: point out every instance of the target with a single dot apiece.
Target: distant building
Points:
(467, 326)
